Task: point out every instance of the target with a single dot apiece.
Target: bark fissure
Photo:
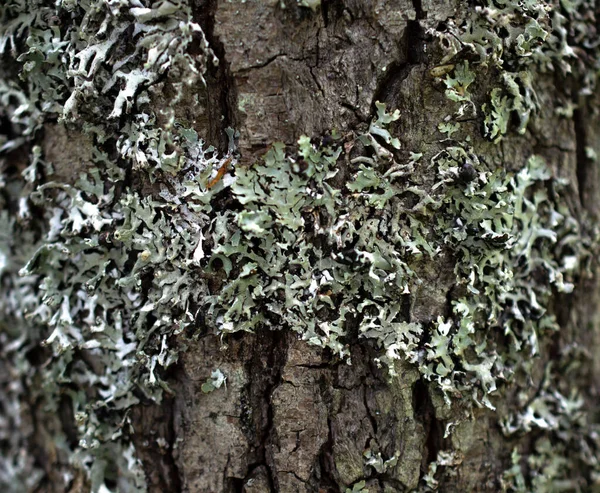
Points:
(397, 72)
(155, 440)
(264, 64)
(265, 378)
(425, 413)
(330, 10)
(581, 157)
(328, 481)
(221, 87)
(418, 6)
(370, 416)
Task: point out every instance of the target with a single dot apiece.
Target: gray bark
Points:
(294, 417)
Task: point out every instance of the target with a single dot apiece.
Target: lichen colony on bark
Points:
(298, 246)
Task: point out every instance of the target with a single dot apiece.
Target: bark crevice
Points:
(155, 441)
(413, 55)
(581, 157)
(434, 429)
(220, 82)
(266, 375)
(328, 481)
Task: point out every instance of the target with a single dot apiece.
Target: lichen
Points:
(444, 459)
(358, 488)
(96, 248)
(377, 462)
(517, 41)
(565, 438)
(312, 4)
(216, 381)
(114, 277)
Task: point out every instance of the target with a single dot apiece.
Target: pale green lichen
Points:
(516, 40)
(96, 249)
(447, 460)
(359, 487)
(122, 275)
(499, 227)
(565, 439)
(216, 381)
(377, 462)
(458, 84)
(312, 4)
(301, 255)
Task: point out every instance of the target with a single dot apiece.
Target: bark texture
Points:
(293, 417)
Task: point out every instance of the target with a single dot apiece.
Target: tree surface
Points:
(299, 246)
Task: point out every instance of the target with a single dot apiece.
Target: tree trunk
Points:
(425, 319)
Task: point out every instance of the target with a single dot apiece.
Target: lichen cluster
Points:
(564, 454)
(511, 46)
(114, 277)
(318, 259)
(108, 278)
(513, 43)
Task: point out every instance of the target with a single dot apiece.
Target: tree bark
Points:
(295, 417)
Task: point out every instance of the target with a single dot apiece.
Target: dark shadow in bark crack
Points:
(434, 429)
(265, 374)
(154, 440)
(220, 84)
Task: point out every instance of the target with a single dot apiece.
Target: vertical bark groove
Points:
(264, 380)
(155, 440)
(581, 158)
(222, 98)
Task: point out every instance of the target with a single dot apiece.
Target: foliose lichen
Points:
(515, 42)
(511, 46)
(84, 290)
(112, 277)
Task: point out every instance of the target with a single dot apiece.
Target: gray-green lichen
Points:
(111, 277)
(82, 291)
(566, 434)
(358, 488)
(216, 381)
(516, 41)
(511, 44)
